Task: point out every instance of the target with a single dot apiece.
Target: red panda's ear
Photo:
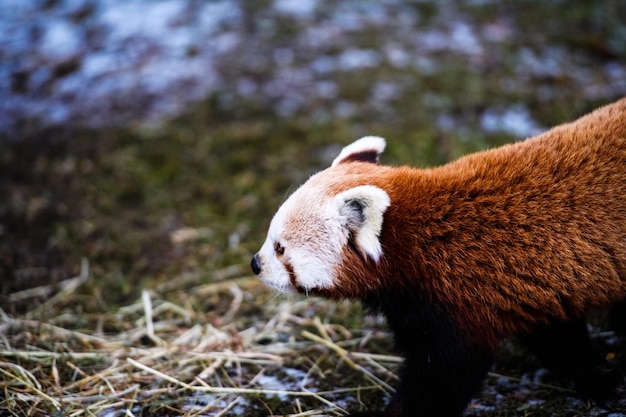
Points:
(366, 149)
(360, 211)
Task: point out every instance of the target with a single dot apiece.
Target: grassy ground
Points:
(125, 286)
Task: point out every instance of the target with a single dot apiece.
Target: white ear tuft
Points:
(360, 210)
(366, 149)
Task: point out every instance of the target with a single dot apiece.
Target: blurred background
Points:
(154, 138)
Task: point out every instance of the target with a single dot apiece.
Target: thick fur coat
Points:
(519, 240)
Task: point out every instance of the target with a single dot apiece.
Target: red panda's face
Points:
(308, 235)
(303, 244)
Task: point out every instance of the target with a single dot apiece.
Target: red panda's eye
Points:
(279, 249)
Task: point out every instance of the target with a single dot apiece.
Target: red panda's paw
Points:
(603, 386)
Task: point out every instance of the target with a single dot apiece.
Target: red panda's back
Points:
(518, 235)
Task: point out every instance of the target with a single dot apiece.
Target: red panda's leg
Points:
(439, 384)
(617, 318)
(442, 370)
(566, 349)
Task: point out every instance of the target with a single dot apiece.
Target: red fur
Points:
(505, 239)
(519, 240)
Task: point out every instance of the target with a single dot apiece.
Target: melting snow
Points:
(103, 62)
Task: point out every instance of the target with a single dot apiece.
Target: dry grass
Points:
(169, 358)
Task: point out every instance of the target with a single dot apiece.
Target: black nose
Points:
(255, 264)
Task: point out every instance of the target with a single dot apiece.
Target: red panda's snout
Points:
(255, 264)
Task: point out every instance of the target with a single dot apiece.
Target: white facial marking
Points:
(312, 230)
(311, 241)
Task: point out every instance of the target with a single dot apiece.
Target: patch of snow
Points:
(515, 121)
(353, 59)
(463, 39)
(300, 8)
(106, 62)
(60, 40)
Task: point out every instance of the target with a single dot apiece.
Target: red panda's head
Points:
(334, 213)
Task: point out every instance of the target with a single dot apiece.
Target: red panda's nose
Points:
(255, 264)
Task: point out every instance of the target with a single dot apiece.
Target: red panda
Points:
(520, 240)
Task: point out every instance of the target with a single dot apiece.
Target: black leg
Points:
(442, 369)
(566, 349)
(617, 318)
(440, 385)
